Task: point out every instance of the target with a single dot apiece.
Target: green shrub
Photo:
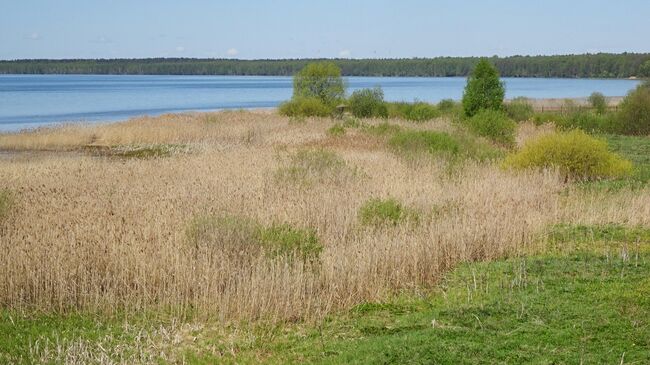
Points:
(634, 116)
(320, 80)
(368, 103)
(598, 102)
(305, 107)
(5, 202)
(494, 125)
(412, 142)
(577, 155)
(421, 112)
(377, 212)
(286, 240)
(447, 105)
(519, 109)
(336, 130)
(315, 166)
(417, 112)
(644, 69)
(484, 90)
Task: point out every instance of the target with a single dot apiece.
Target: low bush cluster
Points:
(417, 112)
(634, 116)
(494, 125)
(368, 103)
(412, 142)
(577, 155)
(305, 107)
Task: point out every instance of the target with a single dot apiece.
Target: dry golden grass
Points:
(99, 234)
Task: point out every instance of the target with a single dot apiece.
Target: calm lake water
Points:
(28, 101)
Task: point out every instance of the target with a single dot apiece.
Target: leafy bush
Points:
(286, 240)
(494, 125)
(634, 117)
(336, 130)
(315, 166)
(484, 90)
(367, 103)
(446, 105)
(577, 155)
(305, 107)
(519, 109)
(588, 121)
(412, 142)
(377, 212)
(598, 102)
(417, 112)
(420, 112)
(240, 238)
(321, 80)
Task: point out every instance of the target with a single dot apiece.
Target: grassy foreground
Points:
(587, 301)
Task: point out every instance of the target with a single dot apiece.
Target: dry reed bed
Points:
(107, 235)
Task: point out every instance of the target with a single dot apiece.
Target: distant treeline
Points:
(601, 65)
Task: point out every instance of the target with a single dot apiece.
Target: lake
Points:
(28, 101)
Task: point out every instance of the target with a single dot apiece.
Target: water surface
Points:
(28, 101)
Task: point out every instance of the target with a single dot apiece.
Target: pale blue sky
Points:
(334, 28)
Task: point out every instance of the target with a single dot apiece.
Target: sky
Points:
(253, 29)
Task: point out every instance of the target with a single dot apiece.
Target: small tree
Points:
(484, 89)
(634, 117)
(366, 103)
(319, 80)
(598, 102)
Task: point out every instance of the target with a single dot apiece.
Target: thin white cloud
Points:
(33, 36)
(232, 52)
(345, 53)
(101, 39)
(180, 49)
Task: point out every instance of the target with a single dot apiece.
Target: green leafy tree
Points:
(484, 89)
(598, 102)
(366, 103)
(634, 117)
(319, 80)
(644, 69)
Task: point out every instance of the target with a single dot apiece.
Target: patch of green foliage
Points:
(368, 103)
(579, 233)
(588, 121)
(284, 239)
(484, 89)
(410, 142)
(381, 212)
(5, 202)
(336, 130)
(577, 155)
(320, 80)
(243, 238)
(311, 166)
(305, 107)
(598, 102)
(635, 149)
(634, 114)
(519, 109)
(447, 105)
(494, 125)
(416, 112)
